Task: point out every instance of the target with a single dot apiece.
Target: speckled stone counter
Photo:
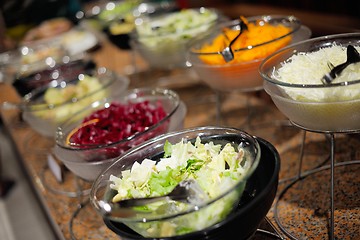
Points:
(303, 209)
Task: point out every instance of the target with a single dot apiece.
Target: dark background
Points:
(338, 7)
(322, 16)
(35, 11)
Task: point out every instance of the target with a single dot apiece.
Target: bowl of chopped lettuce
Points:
(305, 82)
(219, 159)
(92, 138)
(261, 36)
(69, 90)
(162, 40)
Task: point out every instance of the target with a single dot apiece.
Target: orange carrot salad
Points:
(256, 34)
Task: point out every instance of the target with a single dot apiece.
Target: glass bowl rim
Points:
(320, 39)
(97, 9)
(220, 66)
(312, 102)
(13, 57)
(200, 129)
(135, 37)
(266, 18)
(111, 77)
(80, 147)
(101, 6)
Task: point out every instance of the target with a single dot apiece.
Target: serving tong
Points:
(186, 191)
(228, 53)
(353, 56)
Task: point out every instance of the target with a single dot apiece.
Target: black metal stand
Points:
(303, 175)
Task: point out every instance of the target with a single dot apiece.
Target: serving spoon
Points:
(228, 53)
(187, 191)
(353, 56)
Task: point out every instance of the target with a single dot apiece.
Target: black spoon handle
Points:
(353, 56)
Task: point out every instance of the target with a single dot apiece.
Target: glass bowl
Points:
(134, 125)
(47, 30)
(293, 78)
(119, 28)
(162, 40)
(116, 18)
(25, 84)
(242, 72)
(255, 203)
(108, 11)
(100, 14)
(172, 218)
(26, 60)
(69, 91)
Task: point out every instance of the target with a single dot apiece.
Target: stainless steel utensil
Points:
(353, 56)
(187, 191)
(228, 53)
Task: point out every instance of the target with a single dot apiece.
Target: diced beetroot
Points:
(117, 122)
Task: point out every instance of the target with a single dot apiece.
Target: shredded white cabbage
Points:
(175, 27)
(215, 168)
(309, 68)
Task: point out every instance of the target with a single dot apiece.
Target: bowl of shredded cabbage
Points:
(295, 80)
(264, 35)
(162, 40)
(219, 159)
(93, 137)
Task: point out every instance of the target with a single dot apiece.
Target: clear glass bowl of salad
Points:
(91, 139)
(295, 79)
(28, 59)
(219, 159)
(264, 35)
(162, 40)
(117, 18)
(69, 90)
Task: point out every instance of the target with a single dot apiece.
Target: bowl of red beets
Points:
(91, 139)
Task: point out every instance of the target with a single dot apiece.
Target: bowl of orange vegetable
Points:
(263, 35)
